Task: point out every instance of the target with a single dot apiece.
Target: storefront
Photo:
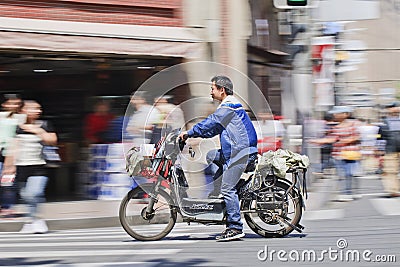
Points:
(67, 65)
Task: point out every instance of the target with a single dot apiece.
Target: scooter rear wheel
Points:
(139, 223)
(270, 214)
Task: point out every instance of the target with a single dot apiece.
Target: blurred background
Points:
(76, 57)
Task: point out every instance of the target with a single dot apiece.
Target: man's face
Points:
(216, 93)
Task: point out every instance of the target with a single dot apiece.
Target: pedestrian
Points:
(27, 161)
(97, 123)
(238, 140)
(117, 128)
(142, 123)
(172, 114)
(345, 139)
(10, 118)
(390, 132)
(171, 117)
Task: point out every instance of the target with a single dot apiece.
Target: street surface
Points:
(363, 232)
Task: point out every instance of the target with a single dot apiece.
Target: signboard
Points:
(339, 10)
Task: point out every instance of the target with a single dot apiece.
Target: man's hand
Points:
(183, 136)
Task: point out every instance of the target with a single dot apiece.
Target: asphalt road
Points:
(364, 232)
(361, 235)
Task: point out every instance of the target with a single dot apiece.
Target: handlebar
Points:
(182, 144)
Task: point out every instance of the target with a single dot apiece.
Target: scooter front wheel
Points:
(141, 224)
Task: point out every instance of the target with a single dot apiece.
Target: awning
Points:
(101, 45)
(267, 56)
(99, 38)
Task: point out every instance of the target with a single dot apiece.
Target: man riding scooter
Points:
(238, 140)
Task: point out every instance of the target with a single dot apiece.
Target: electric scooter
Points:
(271, 206)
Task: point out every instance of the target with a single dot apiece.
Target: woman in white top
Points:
(26, 159)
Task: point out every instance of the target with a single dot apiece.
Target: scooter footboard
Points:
(203, 209)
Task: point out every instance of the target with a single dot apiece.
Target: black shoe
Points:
(229, 235)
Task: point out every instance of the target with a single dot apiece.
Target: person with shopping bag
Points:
(345, 140)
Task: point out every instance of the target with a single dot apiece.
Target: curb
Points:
(64, 224)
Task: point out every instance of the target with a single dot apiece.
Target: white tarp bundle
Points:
(281, 161)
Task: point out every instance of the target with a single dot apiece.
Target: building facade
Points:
(68, 54)
(377, 72)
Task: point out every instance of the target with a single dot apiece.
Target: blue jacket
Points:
(230, 121)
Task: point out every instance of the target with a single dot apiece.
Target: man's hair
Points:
(223, 82)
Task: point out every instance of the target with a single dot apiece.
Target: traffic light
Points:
(296, 2)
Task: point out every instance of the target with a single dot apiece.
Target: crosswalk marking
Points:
(45, 237)
(17, 237)
(104, 234)
(87, 247)
(86, 253)
(386, 206)
(59, 233)
(323, 214)
(93, 244)
(105, 264)
(124, 237)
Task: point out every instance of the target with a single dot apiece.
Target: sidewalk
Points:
(70, 215)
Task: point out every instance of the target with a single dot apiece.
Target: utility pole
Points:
(299, 49)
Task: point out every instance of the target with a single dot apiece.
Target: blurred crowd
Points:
(25, 139)
(357, 147)
(348, 146)
(143, 126)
